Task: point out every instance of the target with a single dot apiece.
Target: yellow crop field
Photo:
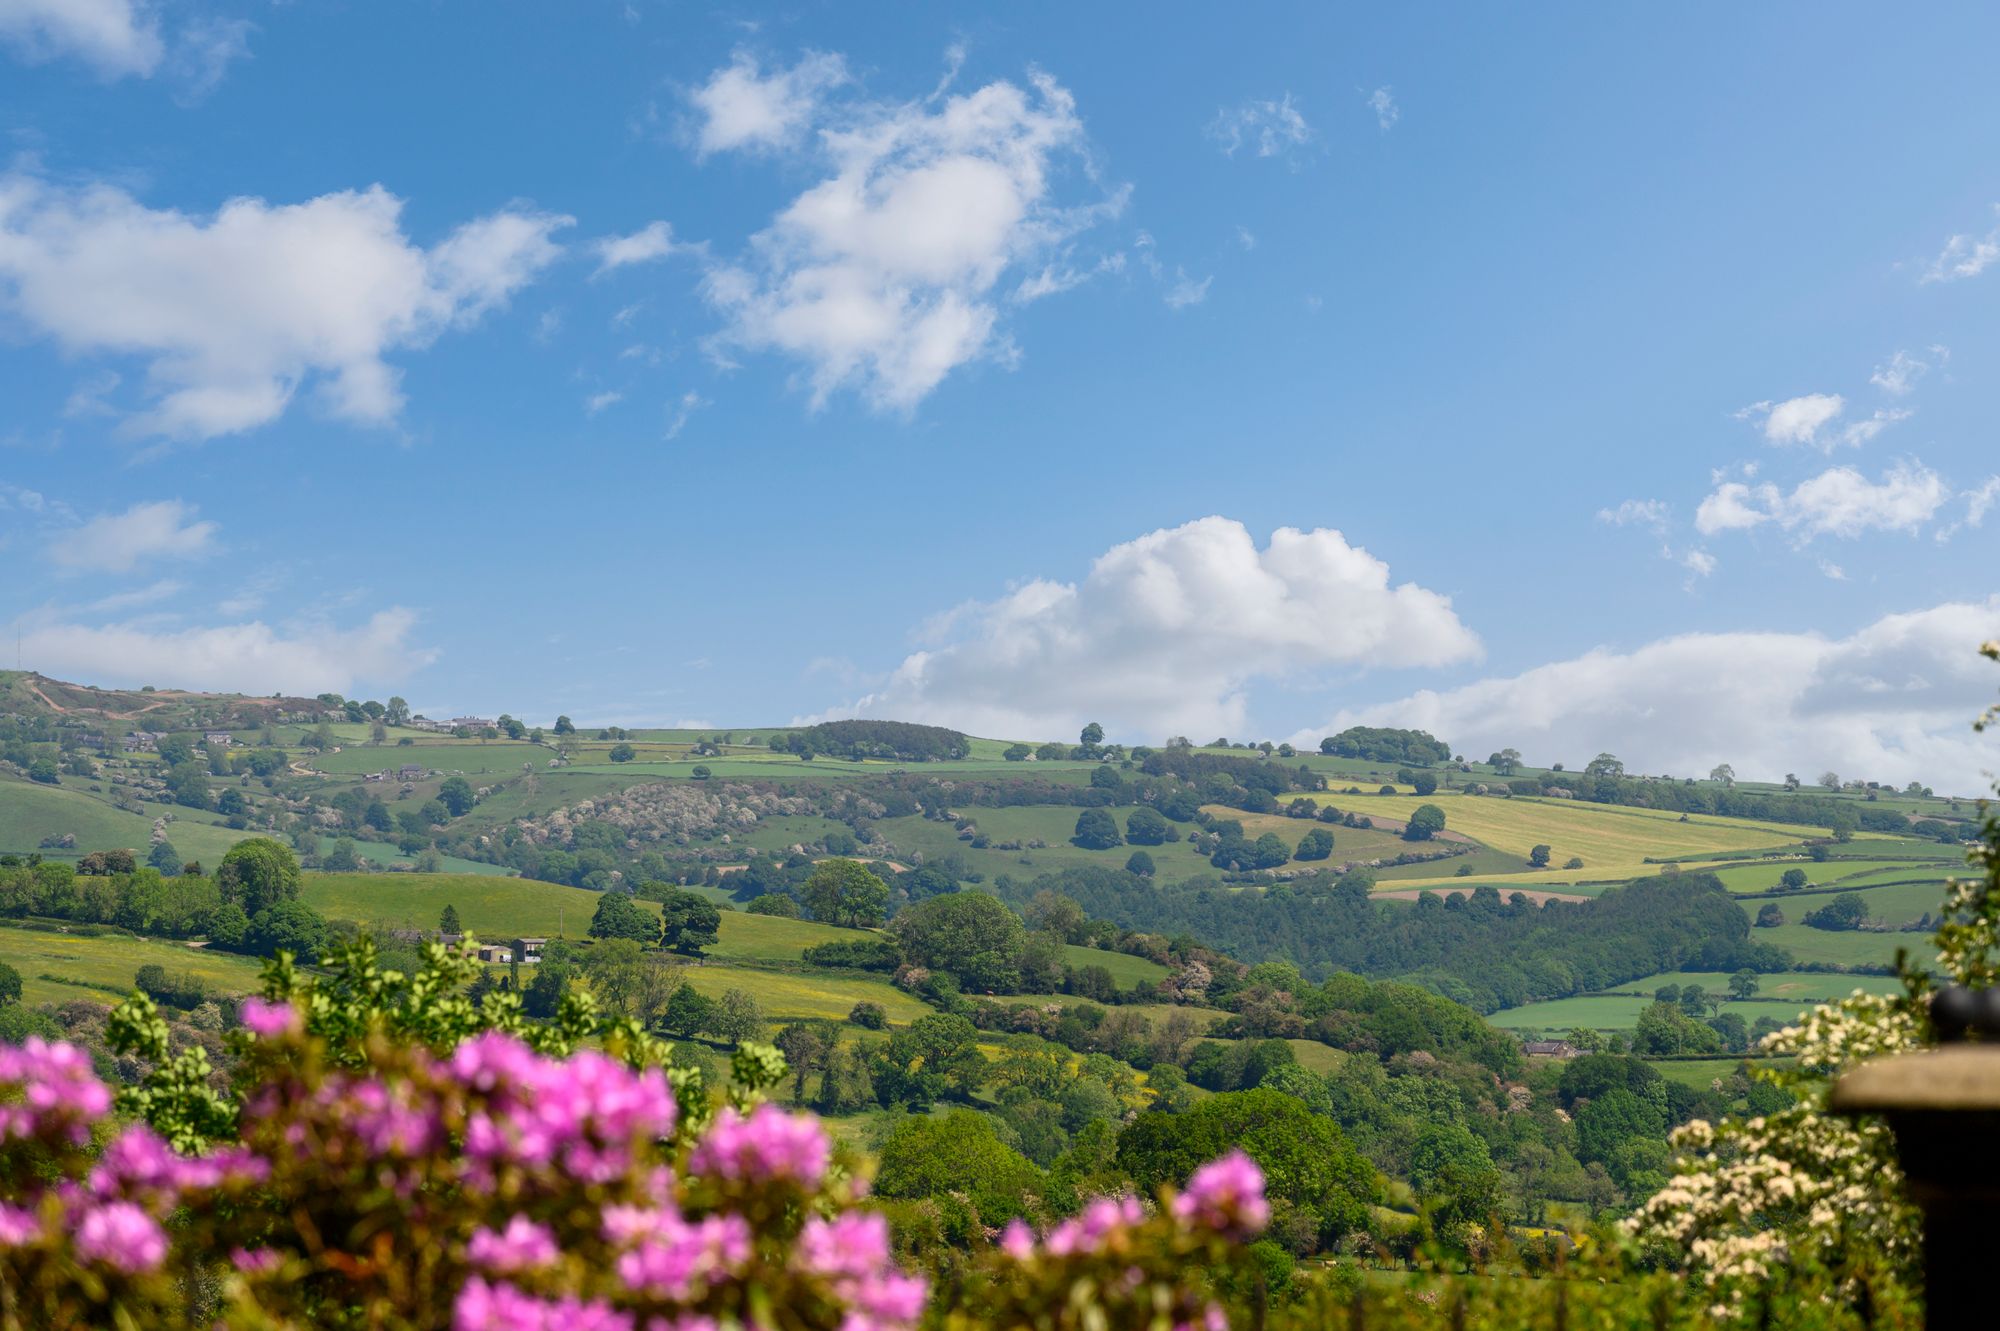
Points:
(100, 969)
(1602, 835)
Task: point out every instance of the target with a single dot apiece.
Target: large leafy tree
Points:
(1308, 1164)
(972, 935)
(689, 922)
(930, 1058)
(618, 915)
(843, 892)
(959, 1156)
(1096, 830)
(258, 874)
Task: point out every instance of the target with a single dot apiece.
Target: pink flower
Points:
(1227, 1196)
(268, 1020)
(255, 1261)
(501, 1307)
(60, 1095)
(854, 1243)
(120, 1235)
(582, 1117)
(522, 1246)
(1018, 1241)
(768, 1145)
(679, 1256)
(18, 1225)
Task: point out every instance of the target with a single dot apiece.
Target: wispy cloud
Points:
(1383, 103)
(1263, 128)
(1964, 255)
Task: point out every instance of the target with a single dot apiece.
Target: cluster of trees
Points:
(1604, 782)
(1386, 745)
(250, 905)
(1477, 949)
(896, 741)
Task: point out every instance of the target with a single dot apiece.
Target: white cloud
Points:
(1857, 433)
(203, 51)
(1186, 291)
(1839, 501)
(597, 402)
(1246, 237)
(743, 108)
(1383, 104)
(1796, 420)
(1891, 702)
(1269, 129)
(1165, 632)
(1964, 256)
(1636, 512)
(120, 542)
(881, 276)
(115, 37)
(232, 312)
(1698, 562)
(682, 412)
(1833, 570)
(1899, 377)
(653, 241)
(248, 658)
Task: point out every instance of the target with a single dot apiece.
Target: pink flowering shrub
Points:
(489, 1187)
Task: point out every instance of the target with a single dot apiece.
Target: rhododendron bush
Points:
(384, 1182)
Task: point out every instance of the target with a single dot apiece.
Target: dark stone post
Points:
(1943, 1105)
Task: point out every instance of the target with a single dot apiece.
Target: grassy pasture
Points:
(30, 811)
(101, 968)
(1697, 1073)
(497, 758)
(1602, 835)
(1849, 948)
(785, 996)
(1610, 1012)
(1349, 843)
(1802, 986)
(490, 907)
(772, 937)
(1126, 969)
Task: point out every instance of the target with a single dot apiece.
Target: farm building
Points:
(528, 951)
(410, 772)
(141, 741)
(217, 739)
(1550, 1049)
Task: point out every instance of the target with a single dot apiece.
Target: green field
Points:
(1606, 837)
(1126, 969)
(1620, 1011)
(490, 907)
(1697, 1074)
(785, 996)
(29, 812)
(100, 969)
(1843, 948)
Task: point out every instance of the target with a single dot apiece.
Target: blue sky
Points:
(661, 363)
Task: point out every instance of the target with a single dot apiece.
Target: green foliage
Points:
(931, 1058)
(10, 984)
(1308, 1164)
(689, 922)
(258, 874)
(969, 934)
(898, 741)
(619, 915)
(956, 1159)
(1096, 829)
(1386, 745)
(1424, 823)
(1848, 910)
(773, 903)
(844, 893)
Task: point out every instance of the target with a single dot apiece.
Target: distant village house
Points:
(1550, 1049)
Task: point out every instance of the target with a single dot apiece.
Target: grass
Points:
(1126, 969)
(1602, 835)
(785, 996)
(30, 811)
(1620, 1011)
(1349, 843)
(1846, 948)
(773, 937)
(495, 908)
(101, 968)
(1697, 1073)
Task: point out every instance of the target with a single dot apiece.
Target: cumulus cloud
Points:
(1185, 291)
(1891, 702)
(121, 542)
(1165, 632)
(249, 658)
(1383, 104)
(1839, 501)
(742, 107)
(232, 312)
(653, 241)
(1797, 420)
(1265, 128)
(114, 37)
(1964, 255)
(881, 276)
